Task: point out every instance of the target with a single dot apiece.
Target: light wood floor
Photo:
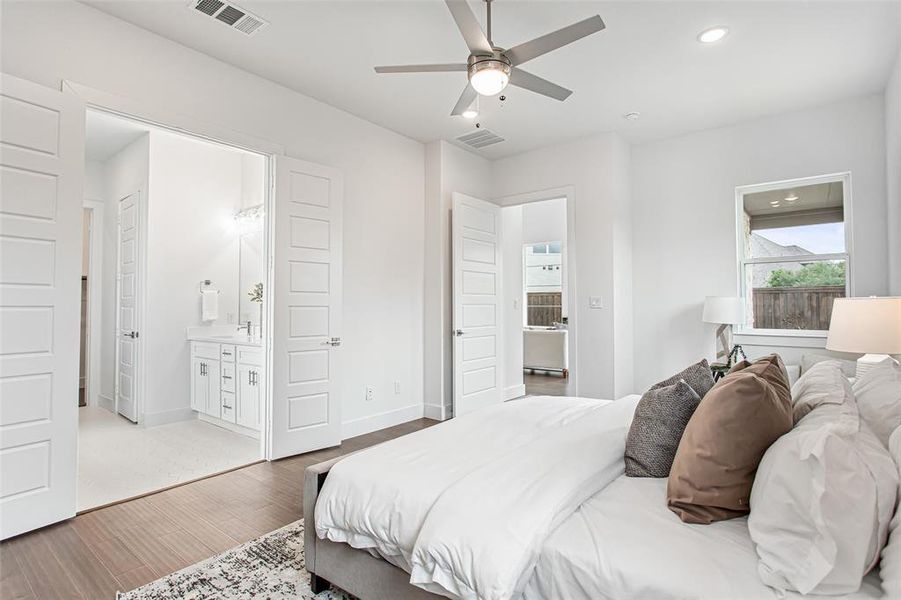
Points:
(541, 383)
(124, 546)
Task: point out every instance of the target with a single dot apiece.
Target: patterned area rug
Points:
(270, 567)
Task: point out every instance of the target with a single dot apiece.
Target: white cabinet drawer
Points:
(250, 356)
(205, 350)
(228, 377)
(228, 407)
(228, 353)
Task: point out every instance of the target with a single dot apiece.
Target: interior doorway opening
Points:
(175, 340)
(537, 288)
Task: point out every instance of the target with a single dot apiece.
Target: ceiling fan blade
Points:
(469, 27)
(556, 39)
(442, 68)
(466, 98)
(536, 84)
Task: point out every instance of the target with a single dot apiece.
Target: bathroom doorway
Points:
(181, 347)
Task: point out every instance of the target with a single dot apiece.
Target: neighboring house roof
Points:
(762, 247)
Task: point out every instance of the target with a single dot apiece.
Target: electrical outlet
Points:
(396, 387)
(370, 393)
(230, 318)
(516, 304)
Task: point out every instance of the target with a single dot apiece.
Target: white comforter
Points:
(417, 500)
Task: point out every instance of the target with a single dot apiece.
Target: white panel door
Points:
(306, 334)
(128, 307)
(477, 293)
(41, 177)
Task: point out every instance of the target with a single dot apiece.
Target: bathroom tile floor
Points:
(118, 459)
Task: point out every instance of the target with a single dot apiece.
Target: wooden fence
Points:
(544, 308)
(795, 307)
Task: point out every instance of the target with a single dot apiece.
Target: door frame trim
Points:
(139, 110)
(568, 192)
(95, 302)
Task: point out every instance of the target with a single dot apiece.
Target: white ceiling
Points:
(106, 135)
(779, 56)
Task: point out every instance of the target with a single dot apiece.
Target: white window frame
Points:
(743, 261)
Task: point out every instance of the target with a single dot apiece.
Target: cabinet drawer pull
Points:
(226, 406)
(226, 377)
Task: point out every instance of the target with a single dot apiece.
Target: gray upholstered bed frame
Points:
(352, 570)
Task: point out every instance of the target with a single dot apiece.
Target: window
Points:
(793, 255)
(543, 267)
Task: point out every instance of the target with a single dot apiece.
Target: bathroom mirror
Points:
(250, 275)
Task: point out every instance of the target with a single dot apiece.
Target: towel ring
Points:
(206, 283)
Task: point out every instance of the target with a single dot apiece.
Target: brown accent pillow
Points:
(733, 426)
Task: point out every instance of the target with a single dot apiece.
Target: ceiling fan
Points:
(490, 68)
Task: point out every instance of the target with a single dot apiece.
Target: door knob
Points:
(131, 334)
(458, 332)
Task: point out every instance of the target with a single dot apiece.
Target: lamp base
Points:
(868, 362)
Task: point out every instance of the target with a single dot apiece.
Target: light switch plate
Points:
(595, 302)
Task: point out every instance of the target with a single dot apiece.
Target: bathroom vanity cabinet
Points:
(226, 384)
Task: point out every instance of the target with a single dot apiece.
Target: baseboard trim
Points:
(389, 418)
(432, 411)
(514, 391)
(167, 416)
(106, 402)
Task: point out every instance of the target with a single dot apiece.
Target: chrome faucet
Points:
(249, 327)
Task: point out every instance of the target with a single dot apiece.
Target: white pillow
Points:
(878, 393)
(823, 383)
(890, 565)
(822, 500)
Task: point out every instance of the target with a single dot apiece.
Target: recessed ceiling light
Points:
(470, 113)
(791, 197)
(712, 35)
(774, 203)
(632, 116)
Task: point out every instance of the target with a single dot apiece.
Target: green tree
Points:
(810, 275)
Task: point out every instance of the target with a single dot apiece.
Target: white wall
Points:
(47, 42)
(544, 221)
(512, 309)
(448, 169)
(587, 166)
(893, 173)
(125, 173)
(195, 190)
(94, 180)
(684, 227)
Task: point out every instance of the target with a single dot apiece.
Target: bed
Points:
(563, 521)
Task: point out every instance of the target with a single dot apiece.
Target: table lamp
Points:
(869, 326)
(725, 311)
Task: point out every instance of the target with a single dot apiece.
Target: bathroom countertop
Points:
(238, 340)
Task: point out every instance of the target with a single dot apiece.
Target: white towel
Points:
(209, 305)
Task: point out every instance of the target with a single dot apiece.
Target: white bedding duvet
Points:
(562, 521)
(416, 500)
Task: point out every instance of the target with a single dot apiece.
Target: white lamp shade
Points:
(723, 310)
(865, 325)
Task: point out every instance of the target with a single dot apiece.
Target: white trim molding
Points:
(433, 411)
(383, 420)
(168, 416)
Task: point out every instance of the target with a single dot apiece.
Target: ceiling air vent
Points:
(480, 138)
(233, 16)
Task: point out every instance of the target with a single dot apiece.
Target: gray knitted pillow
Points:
(698, 376)
(660, 418)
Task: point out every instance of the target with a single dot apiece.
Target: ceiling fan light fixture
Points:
(489, 77)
